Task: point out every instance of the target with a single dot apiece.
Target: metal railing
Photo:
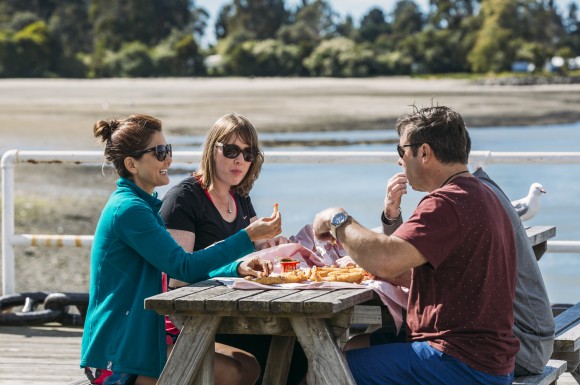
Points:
(13, 157)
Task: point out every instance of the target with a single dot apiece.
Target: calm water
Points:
(304, 189)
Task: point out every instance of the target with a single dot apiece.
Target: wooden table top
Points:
(211, 297)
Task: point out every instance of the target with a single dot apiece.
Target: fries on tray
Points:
(315, 274)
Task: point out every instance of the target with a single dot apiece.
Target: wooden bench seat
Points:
(552, 370)
(567, 342)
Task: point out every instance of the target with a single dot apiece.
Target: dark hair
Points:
(125, 137)
(225, 128)
(442, 128)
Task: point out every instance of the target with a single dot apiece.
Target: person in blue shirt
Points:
(122, 342)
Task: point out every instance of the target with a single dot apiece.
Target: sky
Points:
(355, 8)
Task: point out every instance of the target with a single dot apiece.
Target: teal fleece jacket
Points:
(130, 250)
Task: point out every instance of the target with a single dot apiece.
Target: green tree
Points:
(450, 13)
(572, 26)
(132, 60)
(372, 25)
(260, 18)
(491, 50)
(268, 57)
(31, 51)
(116, 22)
(347, 28)
(341, 57)
(72, 37)
(178, 55)
(407, 20)
(437, 51)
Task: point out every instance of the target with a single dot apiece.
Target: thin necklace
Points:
(227, 204)
(448, 179)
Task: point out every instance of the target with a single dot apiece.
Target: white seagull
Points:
(529, 206)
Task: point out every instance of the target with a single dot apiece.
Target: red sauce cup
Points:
(287, 266)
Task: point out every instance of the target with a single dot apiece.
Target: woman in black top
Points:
(213, 204)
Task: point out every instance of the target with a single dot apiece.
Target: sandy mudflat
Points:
(59, 114)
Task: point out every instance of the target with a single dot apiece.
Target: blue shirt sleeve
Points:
(139, 227)
(230, 270)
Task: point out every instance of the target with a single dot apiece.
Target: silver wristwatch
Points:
(338, 220)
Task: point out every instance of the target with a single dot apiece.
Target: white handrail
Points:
(13, 157)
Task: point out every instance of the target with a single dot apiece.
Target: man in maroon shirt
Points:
(457, 256)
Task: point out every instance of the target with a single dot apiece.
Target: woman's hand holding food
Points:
(265, 228)
(255, 267)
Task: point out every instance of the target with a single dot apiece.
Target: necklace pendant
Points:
(229, 210)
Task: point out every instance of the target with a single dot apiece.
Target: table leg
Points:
(325, 359)
(279, 358)
(190, 353)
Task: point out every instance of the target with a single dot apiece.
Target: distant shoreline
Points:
(60, 113)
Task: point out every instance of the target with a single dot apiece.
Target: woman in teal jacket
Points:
(122, 342)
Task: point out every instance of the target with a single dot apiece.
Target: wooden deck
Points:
(39, 355)
(49, 355)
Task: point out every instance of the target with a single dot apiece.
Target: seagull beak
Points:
(543, 191)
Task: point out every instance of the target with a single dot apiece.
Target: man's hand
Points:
(255, 267)
(396, 187)
(321, 225)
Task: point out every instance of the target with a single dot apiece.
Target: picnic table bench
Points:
(567, 342)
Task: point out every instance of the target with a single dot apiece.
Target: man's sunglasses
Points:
(160, 151)
(401, 149)
(231, 151)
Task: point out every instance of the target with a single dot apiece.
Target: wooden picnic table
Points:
(316, 317)
(538, 236)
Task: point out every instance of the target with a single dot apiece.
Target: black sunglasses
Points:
(401, 149)
(231, 151)
(160, 151)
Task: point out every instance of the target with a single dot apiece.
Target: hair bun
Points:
(104, 129)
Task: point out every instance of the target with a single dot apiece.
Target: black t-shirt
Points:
(186, 206)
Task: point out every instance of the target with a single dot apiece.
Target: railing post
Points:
(7, 164)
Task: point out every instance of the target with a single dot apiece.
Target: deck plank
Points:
(39, 355)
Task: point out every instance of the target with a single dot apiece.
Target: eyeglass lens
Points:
(231, 151)
(401, 151)
(161, 151)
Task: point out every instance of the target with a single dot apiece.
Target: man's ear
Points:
(425, 152)
(130, 164)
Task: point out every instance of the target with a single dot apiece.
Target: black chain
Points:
(56, 307)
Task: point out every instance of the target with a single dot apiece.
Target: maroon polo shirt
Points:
(461, 301)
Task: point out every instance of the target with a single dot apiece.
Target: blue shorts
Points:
(414, 363)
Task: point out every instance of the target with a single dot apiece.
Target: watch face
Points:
(339, 218)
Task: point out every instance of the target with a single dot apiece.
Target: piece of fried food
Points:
(294, 276)
(354, 277)
(337, 274)
(275, 208)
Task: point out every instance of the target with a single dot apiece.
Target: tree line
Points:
(145, 38)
